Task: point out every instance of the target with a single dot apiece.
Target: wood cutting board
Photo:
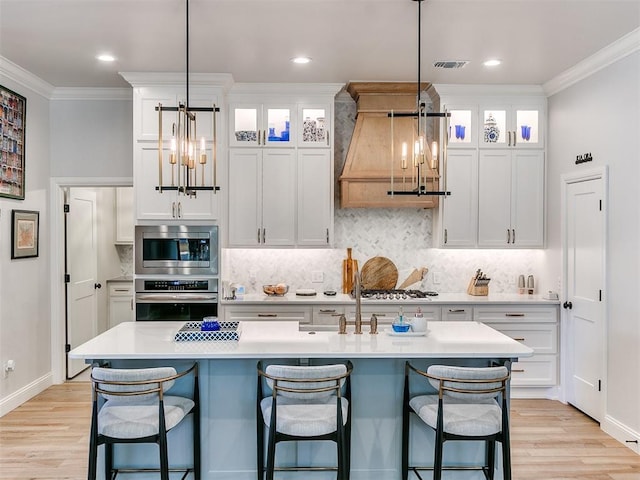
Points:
(379, 273)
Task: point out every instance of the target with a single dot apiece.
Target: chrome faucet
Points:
(358, 293)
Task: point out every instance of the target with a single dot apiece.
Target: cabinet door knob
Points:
(97, 285)
(568, 305)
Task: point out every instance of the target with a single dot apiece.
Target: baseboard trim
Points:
(625, 435)
(525, 392)
(27, 392)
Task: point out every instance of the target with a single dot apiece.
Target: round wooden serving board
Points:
(379, 273)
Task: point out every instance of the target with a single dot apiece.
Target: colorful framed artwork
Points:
(25, 225)
(13, 109)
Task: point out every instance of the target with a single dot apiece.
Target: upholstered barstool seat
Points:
(460, 418)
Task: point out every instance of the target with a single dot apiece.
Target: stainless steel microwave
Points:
(176, 250)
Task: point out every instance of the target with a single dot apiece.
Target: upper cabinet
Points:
(462, 131)
(159, 176)
(495, 167)
(316, 125)
(124, 216)
(512, 126)
(261, 125)
(281, 165)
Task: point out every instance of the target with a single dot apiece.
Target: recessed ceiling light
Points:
(105, 57)
(492, 63)
(301, 60)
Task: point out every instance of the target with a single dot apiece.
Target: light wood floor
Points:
(47, 439)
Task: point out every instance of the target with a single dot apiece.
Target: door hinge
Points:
(599, 385)
(66, 208)
(67, 348)
(600, 295)
(67, 278)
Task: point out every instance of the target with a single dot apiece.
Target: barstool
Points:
(471, 404)
(131, 406)
(304, 403)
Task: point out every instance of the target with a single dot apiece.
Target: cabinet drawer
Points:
(388, 313)
(536, 371)
(119, 289)
(280, 314)
(327, 315)
(543, 338)
(516, 313)
(454, 312)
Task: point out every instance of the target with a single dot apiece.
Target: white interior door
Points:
(584, 227)
(82, 267)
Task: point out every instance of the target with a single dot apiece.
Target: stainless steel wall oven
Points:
(177, 299)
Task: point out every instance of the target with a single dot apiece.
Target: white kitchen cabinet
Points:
(151, 90)
(314, 121)
(463, 126)
(387, 313)
(124, 216)
(291, 201)
(262, 125)
(314, 206)
(519, 125)
(537, 328)
(327, 315)
(120, 303)
(456, 313)
(511, 198)
(280, 313)
(168, 205)
(459, 211)
(262, 197)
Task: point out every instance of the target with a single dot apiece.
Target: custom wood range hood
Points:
(366, 176)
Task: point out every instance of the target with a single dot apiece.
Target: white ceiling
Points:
(253, 40)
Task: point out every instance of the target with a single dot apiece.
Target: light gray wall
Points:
(25, 321)
(601, 115)
(92, 138)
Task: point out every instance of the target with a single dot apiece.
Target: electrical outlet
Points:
(436, 278)
(317, 277)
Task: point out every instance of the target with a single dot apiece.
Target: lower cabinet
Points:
(280, 313)
(120, 303)
(537, 328)
(456, 312)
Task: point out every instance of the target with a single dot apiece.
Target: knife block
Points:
(477, 290)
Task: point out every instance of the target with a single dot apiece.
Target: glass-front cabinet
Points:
(508, 126)
(262, 125)
(462, 126)
(315, 126)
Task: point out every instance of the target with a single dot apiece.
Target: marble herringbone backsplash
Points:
(402, 235)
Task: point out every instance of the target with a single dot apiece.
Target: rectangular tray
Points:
(190, 332)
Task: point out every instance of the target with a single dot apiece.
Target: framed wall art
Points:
(25, 225)
(13, 109)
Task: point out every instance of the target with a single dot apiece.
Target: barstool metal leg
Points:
(491, 458)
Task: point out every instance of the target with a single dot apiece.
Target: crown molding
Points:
(86, 93)
(25, 78)
(178, 79)
(286, 88)
(619, 49)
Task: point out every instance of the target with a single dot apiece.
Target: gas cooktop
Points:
(395, 294)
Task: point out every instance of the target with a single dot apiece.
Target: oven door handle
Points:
(167, 297)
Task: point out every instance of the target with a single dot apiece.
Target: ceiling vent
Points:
(451, 64)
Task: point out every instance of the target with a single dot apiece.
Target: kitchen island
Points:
(228, 386)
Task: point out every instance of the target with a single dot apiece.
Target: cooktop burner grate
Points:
(396, 294)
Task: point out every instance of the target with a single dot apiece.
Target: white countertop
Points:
(155, 340)
(341, 298)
